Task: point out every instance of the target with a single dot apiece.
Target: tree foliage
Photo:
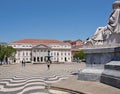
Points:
(2, 52)
(9, 51)
(80, 55)
(6, 52)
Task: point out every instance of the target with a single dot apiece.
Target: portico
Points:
(39, 53)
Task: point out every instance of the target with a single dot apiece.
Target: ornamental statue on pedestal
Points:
(111, 32)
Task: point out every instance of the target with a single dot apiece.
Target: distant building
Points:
(76, 45)
(36, 50)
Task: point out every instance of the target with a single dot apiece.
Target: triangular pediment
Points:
(41, 46)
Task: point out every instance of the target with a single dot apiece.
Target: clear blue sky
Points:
(52, 19)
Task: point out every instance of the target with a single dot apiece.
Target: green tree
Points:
(10, 52)
(79, 55)
(6, 52)
(2, 53)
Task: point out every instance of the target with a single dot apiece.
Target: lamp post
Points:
(47, 58)
(48, 55)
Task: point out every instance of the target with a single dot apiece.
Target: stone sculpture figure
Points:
(113, 27)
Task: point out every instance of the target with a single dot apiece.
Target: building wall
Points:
(61, 55)
(23, 54)
(27, 52)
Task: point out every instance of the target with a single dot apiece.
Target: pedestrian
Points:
(48, 65)
(22, 63)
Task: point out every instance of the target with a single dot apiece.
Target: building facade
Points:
(36, 50)
(76, 46)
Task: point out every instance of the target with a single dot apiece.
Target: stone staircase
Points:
(111, 74)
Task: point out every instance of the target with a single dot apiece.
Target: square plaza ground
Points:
(59, 75)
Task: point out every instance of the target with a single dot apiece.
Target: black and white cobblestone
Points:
(32, 79)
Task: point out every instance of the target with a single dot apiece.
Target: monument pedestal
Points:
(102, 48)
(91, 73)
(96, 58)
(102, 55)
(111, 74)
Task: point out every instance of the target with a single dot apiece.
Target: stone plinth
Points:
(91, 73)
(96, 58)
(111, 74)
(113, 65)
(102, 55)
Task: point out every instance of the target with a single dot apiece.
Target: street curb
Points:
(64, 89)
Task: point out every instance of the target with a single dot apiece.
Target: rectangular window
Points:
(54, 54)
(26, 53)
(23, 54)
(68, 53)
(65, 54)
(18, 53)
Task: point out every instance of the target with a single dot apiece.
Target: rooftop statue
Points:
(103, 34)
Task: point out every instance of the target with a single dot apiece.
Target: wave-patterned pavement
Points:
(30, 85)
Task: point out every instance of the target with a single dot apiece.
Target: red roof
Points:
(39, 41)
(75, 43)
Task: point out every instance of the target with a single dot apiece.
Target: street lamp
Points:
(47, 58)
(48, 55)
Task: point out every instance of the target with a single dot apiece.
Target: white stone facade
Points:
(37, 53)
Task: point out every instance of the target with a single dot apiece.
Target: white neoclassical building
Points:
(36, 50)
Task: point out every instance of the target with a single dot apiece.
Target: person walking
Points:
(22, 63)
(48, 65)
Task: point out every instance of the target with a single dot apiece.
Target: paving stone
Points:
(32, 79)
